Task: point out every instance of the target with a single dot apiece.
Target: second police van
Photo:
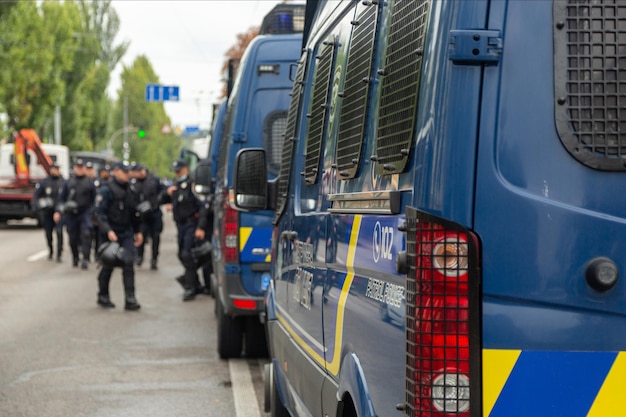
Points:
(449, 221)
(254, 115)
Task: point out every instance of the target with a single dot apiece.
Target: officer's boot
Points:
(191, 285)
(131, 302)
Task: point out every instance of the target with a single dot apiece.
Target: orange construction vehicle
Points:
(20, 172)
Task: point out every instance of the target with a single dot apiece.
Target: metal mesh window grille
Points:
(355, 94)
(590, 81)
(289, 139)
(400, 84)
(273, 135)
(319, 108)
(443, 346)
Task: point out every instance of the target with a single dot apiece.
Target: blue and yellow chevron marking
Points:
(545, 383)
(316, 352)
(255, 238)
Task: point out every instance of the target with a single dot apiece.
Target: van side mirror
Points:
(202, 180)
(250, 182)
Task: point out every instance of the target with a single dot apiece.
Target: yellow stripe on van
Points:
(333, 367)
(609, 401)
(244, 235)
(497, 366)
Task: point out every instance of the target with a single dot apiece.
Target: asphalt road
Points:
(62, 355)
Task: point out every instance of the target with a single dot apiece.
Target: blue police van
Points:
(254, 116)
(448, 222)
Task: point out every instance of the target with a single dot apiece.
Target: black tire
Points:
(229, 335)
(277, 409)
(255, 340)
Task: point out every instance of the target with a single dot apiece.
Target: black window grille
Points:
(400, 84)
(274, 128)
(319, 109)
(590, 81)
(289, 139)
(356, 90)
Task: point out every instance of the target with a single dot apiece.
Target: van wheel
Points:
(276, 408)
(255, 340)
(229, 335)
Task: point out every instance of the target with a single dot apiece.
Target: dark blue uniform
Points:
(97, 183)
(116, 210)
(47, 194)
(189, 214)
(150, 189)
(79, 224)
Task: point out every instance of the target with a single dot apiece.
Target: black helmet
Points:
(111, 254)
(70, 207)
(201, 252)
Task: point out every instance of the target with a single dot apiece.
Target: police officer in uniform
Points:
(149, 190)
(75, 203)
(102, 178)
(118, 221)
(190, 217)
(45, 198)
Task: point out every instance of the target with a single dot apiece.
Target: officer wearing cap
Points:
(149, 190)
(75, 203)
(90, 170)
(118, 221)
(104, 173)
(190, 217)
(45, 198)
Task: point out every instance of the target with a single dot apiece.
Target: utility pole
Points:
(57, 124)
(126, 146)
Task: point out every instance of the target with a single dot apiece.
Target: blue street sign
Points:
(160, 93)
(192, 129)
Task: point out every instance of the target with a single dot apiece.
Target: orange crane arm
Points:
(27, 139)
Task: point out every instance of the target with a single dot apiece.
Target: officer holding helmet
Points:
(75, 203)
(118, 222)
(190, 217)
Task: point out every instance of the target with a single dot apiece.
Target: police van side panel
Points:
(255, 118)
(340, 303)
(342, 276)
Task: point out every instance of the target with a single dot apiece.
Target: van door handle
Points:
(289, 235)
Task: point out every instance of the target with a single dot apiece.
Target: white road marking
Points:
(37, 256)
(246, 404)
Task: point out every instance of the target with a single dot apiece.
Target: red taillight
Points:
(438, 320)
(230, 227)
(244, 304)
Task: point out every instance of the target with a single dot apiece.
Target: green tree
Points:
(156, 150)
(86, 106)
(35, 52)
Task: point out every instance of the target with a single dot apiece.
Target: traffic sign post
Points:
(156, 93)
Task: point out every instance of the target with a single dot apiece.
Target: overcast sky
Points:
(185, 41)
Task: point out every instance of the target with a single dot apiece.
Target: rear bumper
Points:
(233, 296)
(16, 209)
